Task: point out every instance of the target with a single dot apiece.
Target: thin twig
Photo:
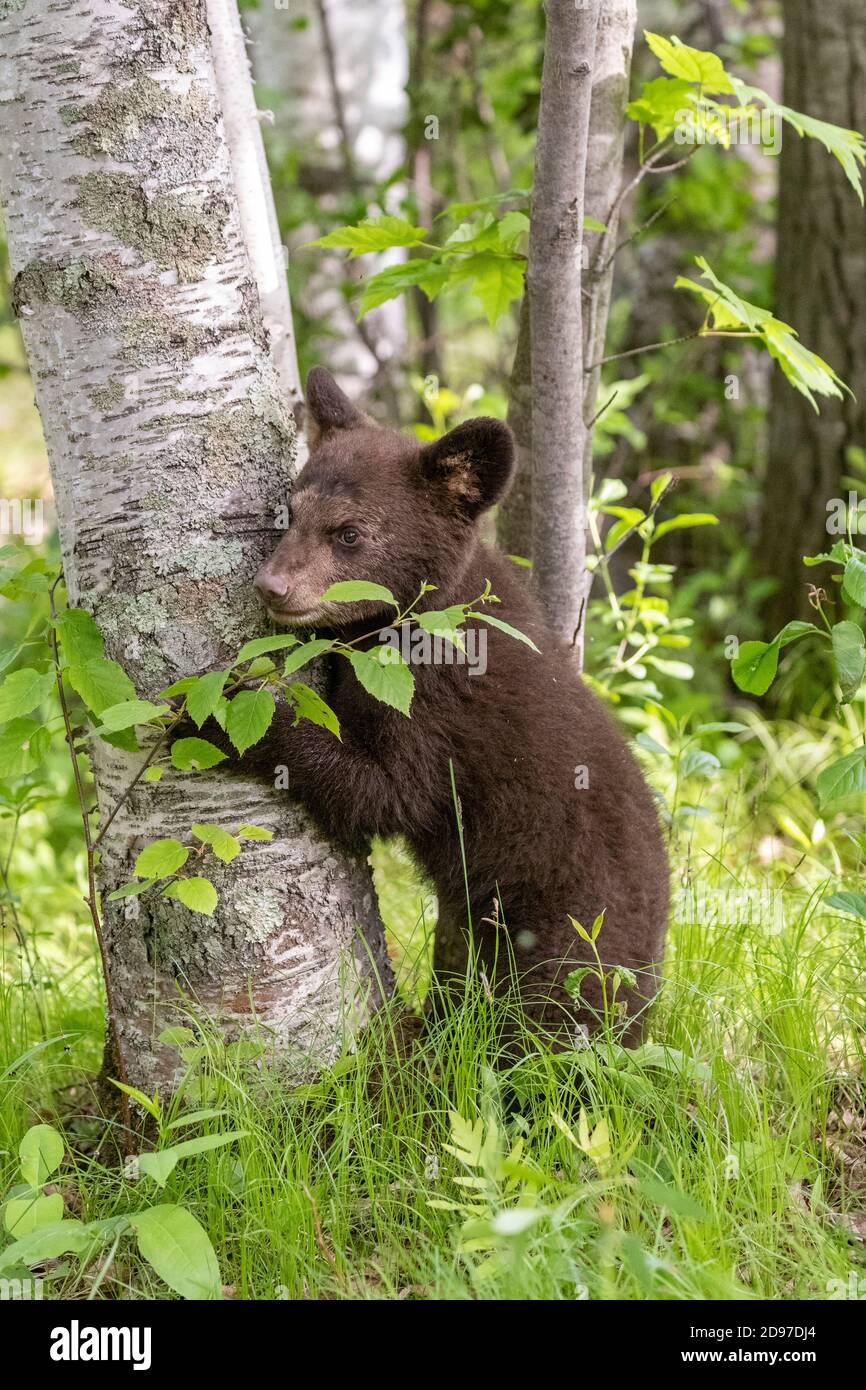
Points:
(669, 168)
(111, 1006)
(633, 236)
(647, 347)
(137, 778)
(598, 414)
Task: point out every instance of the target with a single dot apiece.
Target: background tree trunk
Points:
(604, 158)
(337, 86)
(604, 163)
(820, 279)
(553, 284)
(171, 447)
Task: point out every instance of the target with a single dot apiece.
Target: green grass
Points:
(725, 1159)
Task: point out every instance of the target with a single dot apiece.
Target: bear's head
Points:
(374, 504)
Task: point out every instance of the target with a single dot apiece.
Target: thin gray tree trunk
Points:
(604, 160)
(602, 180)
(171, 443)
(554, 284)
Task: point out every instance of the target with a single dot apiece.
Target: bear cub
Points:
(556, 818)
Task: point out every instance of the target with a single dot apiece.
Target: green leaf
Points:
(373, 234)
(203, 696)
(151, 1106)
(100, 683)
(301, 655)
(698, 763)
(40, 743)
(224, 845)
(153, 774)
(445, 623)
(354, 590)
(661, 103)
(16, 752)
(131, 890)
(178, 1248)
(161, 1164)
(384, 674)
(677, 1203)
(755, 666)
(504, 627)
(176, 1035)
(853, 903)
(161, 858)
(249, 717)
(260, 645)
(650, 745)
(178, 687)
(854, 579)
(722, 727)
(63, 1238)
(659, 486)
(23, 691)
(807, 372)
(442, 619)
(23, 1215)
(694, 65)
(677, 670)
(849, 657)
(255, 832)
(261, 666)
(429, 276)
(41, 1153)
(308, 705)
(198, 894)
(458, 211)
(848, 146)
(80, 638)
(495, 281)
(189, 753)
(129, 713)
(846, 777)
(684, 520)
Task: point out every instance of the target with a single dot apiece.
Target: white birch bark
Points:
(171, 447)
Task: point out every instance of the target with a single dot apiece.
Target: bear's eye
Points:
(349, 536)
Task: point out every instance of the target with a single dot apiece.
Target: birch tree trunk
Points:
(553, 284)
(171, 444)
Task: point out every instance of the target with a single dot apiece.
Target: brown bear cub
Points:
(556, 818)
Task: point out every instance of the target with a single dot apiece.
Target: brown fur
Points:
(537, 849)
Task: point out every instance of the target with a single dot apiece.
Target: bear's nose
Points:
(272, 588)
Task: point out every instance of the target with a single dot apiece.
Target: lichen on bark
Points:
(175, 231)
(171, 444)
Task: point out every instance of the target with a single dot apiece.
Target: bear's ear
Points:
(327, 407)
(472, 465)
